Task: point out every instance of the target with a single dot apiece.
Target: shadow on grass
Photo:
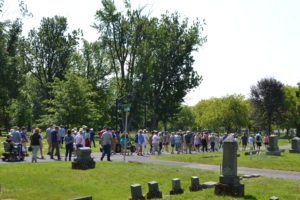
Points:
(250, 197)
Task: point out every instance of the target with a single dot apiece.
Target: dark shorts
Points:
(258, 144)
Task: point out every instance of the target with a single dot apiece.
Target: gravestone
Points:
(84, 198)
(295, 145)
(274, 198)
(229, 181)
(136, 192)
(176, 187)
(153, 190)
(84, 159)
(195, 186)
(273, 148)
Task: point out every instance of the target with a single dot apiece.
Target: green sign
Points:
(126, 107)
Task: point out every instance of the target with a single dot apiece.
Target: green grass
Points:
(56, 180)
(287, 161)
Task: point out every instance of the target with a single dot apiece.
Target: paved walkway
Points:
(147, 159)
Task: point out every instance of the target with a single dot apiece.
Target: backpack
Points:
(257, 138)
(136, 140)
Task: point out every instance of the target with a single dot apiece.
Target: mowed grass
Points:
(286, 161)
(112, 180)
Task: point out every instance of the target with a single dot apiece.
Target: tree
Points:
(11, 66)
(47, 51)
(229, 113)
(169, 74)
(47, 54)
(289, 116)
(158, 74)
(267, 100)
(72, 103)
(185, 119)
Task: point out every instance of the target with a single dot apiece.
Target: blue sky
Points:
(247, 39)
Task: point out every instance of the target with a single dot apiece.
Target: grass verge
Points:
(56, 180)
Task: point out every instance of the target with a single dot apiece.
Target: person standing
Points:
(258, 140)
(35, 142)
(155, 142)
(24, 139)
(48, 136)
(69, 140)
(178, 142)
(244, 139)
(41, 145)
(145, 143)
(187, 139)
(55, 143)
(251, 143)
(62, 133)
(140, 143)
(172, 141)
(106, 140)
(92, 136)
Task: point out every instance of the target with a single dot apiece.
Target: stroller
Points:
(12, 153)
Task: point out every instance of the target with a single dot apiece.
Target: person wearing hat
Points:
(35, 142)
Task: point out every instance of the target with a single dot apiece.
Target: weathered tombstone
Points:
(84, 159)
(176, 187)
(295, 145)
(229, 181)
(195, 186)
(84, 198)
(273, 148)
(153, 190)
(136, 192)
(274, 198)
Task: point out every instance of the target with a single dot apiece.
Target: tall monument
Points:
(229, 180)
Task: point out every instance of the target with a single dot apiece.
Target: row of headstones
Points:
(295, 145)
(136, 189)
(273, 148)
(154, 192)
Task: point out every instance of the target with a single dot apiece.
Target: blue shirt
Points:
(54, 136)
(140, 138)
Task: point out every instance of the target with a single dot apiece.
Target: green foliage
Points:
(230, 112)
(47, 51)
(267, 101)
(156, 73)
(290, 117)
(11, 66)
(72, 103)
(184, 120)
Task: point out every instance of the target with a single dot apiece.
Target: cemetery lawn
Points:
(287, 161)
(112, 180)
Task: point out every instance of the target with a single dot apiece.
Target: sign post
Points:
(126, 108)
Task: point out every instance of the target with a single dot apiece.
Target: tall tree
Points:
(169, 74)
(72, 103)
(47, 51)
(11, 66)
(267, 100)
(157, 73)
(289, 114)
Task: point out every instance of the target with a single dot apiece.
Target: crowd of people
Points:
(112, 142)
